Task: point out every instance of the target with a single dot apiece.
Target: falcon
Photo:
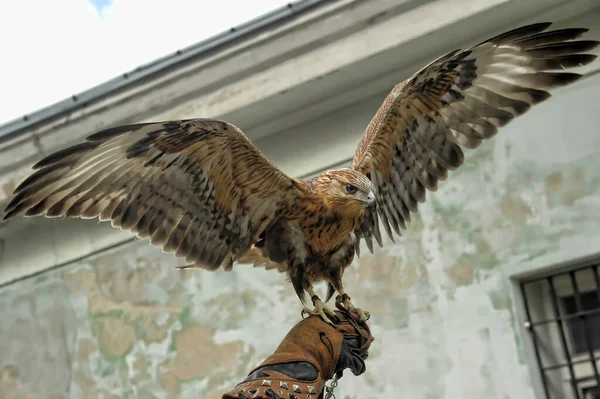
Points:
(200, 189)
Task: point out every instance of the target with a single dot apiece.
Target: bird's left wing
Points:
(456, 102)
(198, 187)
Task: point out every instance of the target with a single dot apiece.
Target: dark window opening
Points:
(577, 327)
(591, 393)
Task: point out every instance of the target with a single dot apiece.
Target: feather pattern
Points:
(454, 103)
(198, 187)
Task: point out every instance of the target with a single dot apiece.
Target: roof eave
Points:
(159, 66)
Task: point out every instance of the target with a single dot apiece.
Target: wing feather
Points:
(257, 258)
(454, 103)
(198, 188)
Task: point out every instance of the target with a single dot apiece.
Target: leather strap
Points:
(282, 385)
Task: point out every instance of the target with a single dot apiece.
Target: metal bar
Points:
(561, 365)
(563, 339)
(528, 280)
(596, 273)
(597, 280)
(534, 339)
(586, 326)
(568, 317)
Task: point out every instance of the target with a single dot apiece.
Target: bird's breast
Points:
(326, 233)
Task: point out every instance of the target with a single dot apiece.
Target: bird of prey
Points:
(200, 189)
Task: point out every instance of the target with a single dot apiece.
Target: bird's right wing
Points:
(198, 187)
(457, 102)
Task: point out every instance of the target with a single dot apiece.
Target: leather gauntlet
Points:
(309, 355)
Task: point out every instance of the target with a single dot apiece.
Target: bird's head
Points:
(348, 191)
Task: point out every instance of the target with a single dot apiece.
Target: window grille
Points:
(563, 319)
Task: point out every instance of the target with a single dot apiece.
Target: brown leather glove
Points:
(309, 355)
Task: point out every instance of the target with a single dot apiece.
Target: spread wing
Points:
(198, 187)
(457, 102)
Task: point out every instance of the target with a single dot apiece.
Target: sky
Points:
(54, 49)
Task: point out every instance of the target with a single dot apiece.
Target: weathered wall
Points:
(125, 324)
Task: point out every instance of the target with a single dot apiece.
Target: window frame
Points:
(542, 310)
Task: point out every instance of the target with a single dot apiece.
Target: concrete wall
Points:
(122, 323)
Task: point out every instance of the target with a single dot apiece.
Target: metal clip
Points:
(329, 390)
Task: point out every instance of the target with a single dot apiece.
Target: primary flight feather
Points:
(201, 189)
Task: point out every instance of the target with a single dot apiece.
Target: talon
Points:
(344, 302)
(362, 314)
(323, 311)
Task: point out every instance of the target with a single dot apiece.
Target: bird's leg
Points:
(344, 300)
(301, 283)
(320, 309)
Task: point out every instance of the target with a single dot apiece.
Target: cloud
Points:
(100, 6)
(52, 50)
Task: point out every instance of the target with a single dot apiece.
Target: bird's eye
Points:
(350, 189)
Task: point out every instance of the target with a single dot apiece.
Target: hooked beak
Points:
(371, 201)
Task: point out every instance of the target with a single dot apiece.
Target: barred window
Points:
(563, 319)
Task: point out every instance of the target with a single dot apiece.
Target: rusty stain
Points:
(151, 331)
(142, 366)
(9, 372)
(481, 244)
(462, 273)
(515, 209)
(554, 183)
(115, 336)
(84, 281)
(196, 356)
(562, 189)
(576, 187)
(89, 390)
(11, 387)
(169, 382)
(85, 348)
(121, 283)
(236, 308)
(382, 267)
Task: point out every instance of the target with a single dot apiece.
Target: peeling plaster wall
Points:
(125, 324)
